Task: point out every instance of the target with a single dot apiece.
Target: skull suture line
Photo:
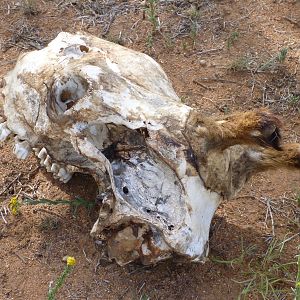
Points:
(87, 105)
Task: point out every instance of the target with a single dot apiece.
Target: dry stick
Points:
(140, 289)
(292, 21)
(271, 216)
(49, 212)
(87, 259)
(10, 184)
(20, 257)
(289, 239)
(202, 85)
(219, 79)
(3, 217)
(208, 51)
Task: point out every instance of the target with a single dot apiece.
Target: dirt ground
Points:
(222, 57)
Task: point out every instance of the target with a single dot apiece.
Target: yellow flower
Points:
(14, 205)
(298, 284)
(71, 261)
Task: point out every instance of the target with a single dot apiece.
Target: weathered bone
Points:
(21, 149)
(87, 105)
(4, 132)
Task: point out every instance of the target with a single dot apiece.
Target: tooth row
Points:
(46, 161)
(4, 132)
(21, 149)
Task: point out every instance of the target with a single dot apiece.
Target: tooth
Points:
(62, 172)
(63, 175)
(47, 163)
(42, 155)
(67, 178)
(55, 168)
(36, 151)
(4, 132)
(21, 149)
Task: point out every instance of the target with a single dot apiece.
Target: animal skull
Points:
(87, 105)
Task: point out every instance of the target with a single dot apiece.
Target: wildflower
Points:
(14, 205)
(71, 261)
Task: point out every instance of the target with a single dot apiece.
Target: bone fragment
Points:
(4, 132)
(21, 149)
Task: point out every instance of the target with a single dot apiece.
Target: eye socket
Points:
(64, 94)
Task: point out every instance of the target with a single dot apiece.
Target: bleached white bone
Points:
(67, 178)
(36, 151)
(55, 168)
(42, 156)
(21, 148)
(47, 163)
(64, 175)
(112, 113)
(4, 132)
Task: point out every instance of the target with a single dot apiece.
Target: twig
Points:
(271, 216)
(269, 213)
(10, 184)
(3, 217)
(219, 79)
(49, 212)
(208, 51)
(289, 239)
(140, 289)
(88, 260)
(202, 85)
(245, 196)
(20, 257)
(292, 21)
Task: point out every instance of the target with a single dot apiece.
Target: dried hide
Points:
(87, 105)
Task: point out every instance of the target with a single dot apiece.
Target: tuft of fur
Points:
(229, 151)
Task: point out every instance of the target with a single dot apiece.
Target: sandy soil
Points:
(213, 52)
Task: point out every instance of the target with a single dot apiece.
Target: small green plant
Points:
(297, 292)
(241, 64)
(272, 63)
(149, 40)
(237, 260)
(233, 37)
(49, 223)
(293, 100)
(74, 204)
(298, 200)
(61, 279)
(193, 14)
(268, 277)
(30, 7)
(144, 297)
(184, 46)
(151, 12)
(116, 39)
(194, 31)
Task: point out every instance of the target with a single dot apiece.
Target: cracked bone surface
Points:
(87, 105)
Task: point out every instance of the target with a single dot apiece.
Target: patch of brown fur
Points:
(229, 151)
(253, 127)
(288, 157)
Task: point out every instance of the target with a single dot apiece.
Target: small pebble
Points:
(202, 62)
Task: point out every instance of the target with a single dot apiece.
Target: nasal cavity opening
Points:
(66, 92)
